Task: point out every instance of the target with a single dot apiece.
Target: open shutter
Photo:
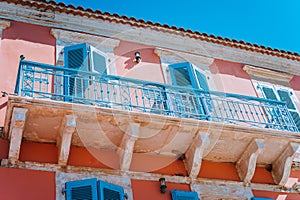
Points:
(183, 195)
(109, 191)
(98, 62)
(76, 58)
(82, 190)
(182, 75)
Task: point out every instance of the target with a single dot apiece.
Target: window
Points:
(183, 195)
(184, 74)
(91, 189)
(82, 58)
(189, 103)
(279, 93)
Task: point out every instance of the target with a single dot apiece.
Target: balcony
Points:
(60, 84)
(129, 116)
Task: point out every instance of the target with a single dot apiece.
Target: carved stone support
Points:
(281, 167)
(195, 152)
(4, 24)
(247, 162)
(65, 137)
(127, 145)
(16, 133)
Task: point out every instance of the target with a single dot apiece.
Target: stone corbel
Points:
(4, 24)
(64, 138)
(127, 145)
(16, 133)
(281, 167)
(194, 154)
(247, 163)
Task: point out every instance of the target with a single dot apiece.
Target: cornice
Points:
(154, 36)
(268, 74)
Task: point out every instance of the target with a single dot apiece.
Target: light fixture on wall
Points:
(137, 56)
(163, 186)
(22, 57)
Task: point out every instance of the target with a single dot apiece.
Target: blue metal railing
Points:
(51, 82)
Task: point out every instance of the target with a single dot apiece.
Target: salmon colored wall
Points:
(276, 195)
(295, 84)
(148, 69)
(261, 175)
(38, 152)
(93, 158)
(143, 162)
(231, 78)
(152, 190)
(18, 184)
(216, 170)
(3, 148)
(32, 41)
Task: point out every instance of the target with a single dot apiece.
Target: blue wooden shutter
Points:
(284, 96)
(269, 93)
(76, 58)
(183, 195)
(257, 198)
(109, 191)
(182, 75)
(82, 190)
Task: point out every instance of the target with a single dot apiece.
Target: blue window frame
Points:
(82, 190)
(184, 74)
(184, 195)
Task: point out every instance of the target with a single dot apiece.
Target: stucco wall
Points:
(32, 41)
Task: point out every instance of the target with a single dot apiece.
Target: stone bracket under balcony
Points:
(131, 133)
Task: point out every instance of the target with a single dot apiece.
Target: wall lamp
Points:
(137, 57)
(22, 57)
(163, 186)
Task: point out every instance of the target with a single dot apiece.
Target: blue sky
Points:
(274, 23)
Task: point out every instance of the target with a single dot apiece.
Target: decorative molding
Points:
(159, 37)
(97, 172)
(281, 167)
(195, 152)
(267, 73)
(16, 133)
(247, 163)
(171, 57)
(127, 145)
(102, 43)
(65, 138)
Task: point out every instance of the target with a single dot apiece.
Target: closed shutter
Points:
(109, 191)
(184, 195)
(76, 58)
(82, 190)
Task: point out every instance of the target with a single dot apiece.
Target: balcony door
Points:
(189, 101)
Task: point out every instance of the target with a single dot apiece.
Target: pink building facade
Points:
(98, 106)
